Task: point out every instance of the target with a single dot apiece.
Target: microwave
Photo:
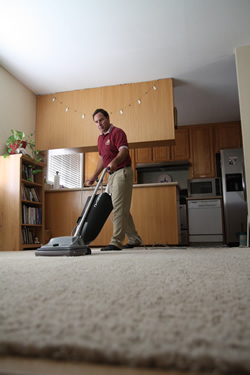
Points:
(204, 187)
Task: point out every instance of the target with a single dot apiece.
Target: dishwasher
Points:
(205, 222)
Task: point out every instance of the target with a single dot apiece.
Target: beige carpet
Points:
(163, 308)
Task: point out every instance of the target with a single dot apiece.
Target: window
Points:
(68, 164)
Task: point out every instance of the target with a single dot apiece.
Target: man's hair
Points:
(105, 113)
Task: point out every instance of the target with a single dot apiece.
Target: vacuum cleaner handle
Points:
(79, 227)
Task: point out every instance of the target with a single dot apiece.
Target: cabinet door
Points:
(202, 155)
(144, 155)
(90, 164)
(227, 135)
(161, 153)
(181, 150)
(178, 152)
(132, 156)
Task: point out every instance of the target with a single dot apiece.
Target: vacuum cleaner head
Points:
(88, 227)
(69, 246)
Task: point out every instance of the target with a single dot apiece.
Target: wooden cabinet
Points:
(206, 141)
(197, 143)
(22, 203)
(166, 153)
(132, 156)
(178, 152)
(202, 151)
(162, 153)
(227, 135)
(90, 164)
(57, 129)
(181, 150)
(91, 160)
(156, 222)
(144, 155)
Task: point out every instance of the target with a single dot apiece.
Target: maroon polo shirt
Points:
(109, 145)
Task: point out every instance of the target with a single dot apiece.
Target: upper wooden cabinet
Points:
(198, 144)
(162, 153)
(202, 151)
(58, 128)
(181, 149)
(227, 135)
(166, 153)
(144, 155)
(90, 164)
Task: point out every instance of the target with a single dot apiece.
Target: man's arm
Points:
(120, 157)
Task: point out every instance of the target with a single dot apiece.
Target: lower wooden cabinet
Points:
(155, 211)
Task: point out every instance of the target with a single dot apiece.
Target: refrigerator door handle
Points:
(243, 182)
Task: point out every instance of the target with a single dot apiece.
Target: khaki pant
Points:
(120, 185)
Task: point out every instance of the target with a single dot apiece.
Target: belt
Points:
(125, 166)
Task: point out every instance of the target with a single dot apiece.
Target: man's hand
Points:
(91, 180)
(112, 167)
(118, 159)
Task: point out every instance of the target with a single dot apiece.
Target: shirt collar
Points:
(108, 131)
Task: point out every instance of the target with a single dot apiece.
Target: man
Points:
(114, 153)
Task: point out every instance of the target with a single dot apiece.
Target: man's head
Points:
(101, 118)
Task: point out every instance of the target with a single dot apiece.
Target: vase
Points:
(18, 144)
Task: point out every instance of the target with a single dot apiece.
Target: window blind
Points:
(69, 166)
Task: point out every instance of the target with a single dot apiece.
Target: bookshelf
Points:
(22, 203)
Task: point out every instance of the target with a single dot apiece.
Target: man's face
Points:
(102, 122)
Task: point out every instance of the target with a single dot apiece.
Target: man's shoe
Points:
(130, 245)
(110, 248)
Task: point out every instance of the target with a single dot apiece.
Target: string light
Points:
(121, 110)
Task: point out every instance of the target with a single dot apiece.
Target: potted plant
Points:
(17, 143)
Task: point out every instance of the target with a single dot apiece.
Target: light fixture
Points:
(83, 115)
(121, 111)
(154, 87)
(53, 99)
(139, 101)
(67, 109)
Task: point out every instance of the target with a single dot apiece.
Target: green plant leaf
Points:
(35, 171)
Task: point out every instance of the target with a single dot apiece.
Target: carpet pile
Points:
(173, 308)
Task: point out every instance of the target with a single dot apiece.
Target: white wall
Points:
(17, 107)
(243, 77)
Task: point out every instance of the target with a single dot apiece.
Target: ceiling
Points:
(63, 45)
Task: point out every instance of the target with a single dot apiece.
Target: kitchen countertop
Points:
(203, 198)
(104, 187)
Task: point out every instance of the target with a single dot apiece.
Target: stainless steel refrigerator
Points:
(234, 194)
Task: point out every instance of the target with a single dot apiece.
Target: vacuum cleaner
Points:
(94, 215)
